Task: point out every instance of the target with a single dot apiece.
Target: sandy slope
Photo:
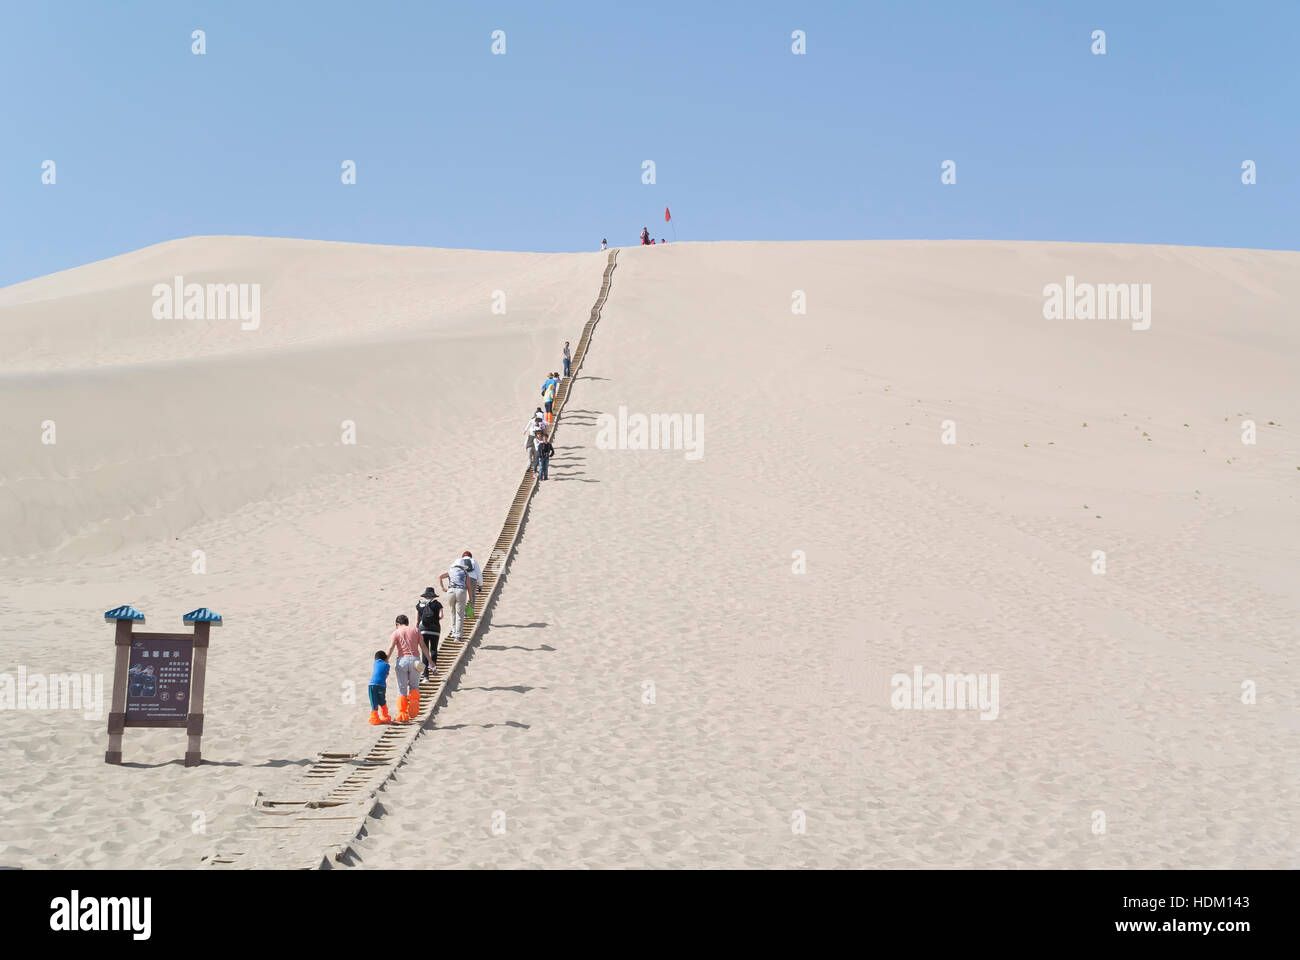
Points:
(1119, 693)
(643, 570)
(176, 436)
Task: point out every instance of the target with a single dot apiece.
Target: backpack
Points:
(430, 615)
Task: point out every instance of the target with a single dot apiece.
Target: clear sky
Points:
(542, 148)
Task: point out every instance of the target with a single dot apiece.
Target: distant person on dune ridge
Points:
(567, 359)
(603, 243)
(455, 584)
(408, 643)
(645, 236)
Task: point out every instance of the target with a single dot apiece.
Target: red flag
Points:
(667, 216)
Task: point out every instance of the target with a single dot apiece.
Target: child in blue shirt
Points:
(378, 689)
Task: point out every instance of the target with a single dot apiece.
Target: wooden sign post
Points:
(158, 679)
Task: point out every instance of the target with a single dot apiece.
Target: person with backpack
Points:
(475, 581)
(455, 583)
(544, 453)
(428, 614)
(548, 398)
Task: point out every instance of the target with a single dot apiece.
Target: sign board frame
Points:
(125, 618)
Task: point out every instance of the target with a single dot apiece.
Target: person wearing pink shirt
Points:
(408, 643)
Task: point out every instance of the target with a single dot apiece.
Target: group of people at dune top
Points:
(417, 646)
(646, 239)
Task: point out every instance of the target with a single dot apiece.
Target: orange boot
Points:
(402, 716)
(374, 717)
(383, 714)
(415, 703)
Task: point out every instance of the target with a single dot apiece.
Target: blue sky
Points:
(541, 149)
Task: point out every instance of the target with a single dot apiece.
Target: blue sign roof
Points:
(201, 615)
(124, 612)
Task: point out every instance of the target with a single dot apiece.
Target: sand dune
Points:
(194, 435)
(657, 686)
(1119, 693)
(178, 420)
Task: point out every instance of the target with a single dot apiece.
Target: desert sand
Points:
(692, 659)
(175, 436)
